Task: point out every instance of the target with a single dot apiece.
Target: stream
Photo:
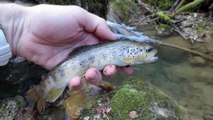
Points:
(188, 84)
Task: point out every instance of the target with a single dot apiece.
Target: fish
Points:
(120, 53)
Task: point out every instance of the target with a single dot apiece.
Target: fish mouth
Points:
(152, 56)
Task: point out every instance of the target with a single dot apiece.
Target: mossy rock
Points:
(148, 102)
(191, 7)
(134, 96)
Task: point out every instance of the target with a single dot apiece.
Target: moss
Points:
(202, 27)
(127, 100)
(211, 32)
(134, 95)
(181, 112)
(3, 109)
(162, 4)
(164, 17)
(191, 7)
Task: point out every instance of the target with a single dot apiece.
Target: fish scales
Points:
(119, 53)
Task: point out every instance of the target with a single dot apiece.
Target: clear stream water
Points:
(190, 85)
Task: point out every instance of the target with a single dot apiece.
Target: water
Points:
(190, 85)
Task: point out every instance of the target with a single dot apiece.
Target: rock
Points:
(8, 109)
(190, 73)
(164, 30)
(199, 46)
(197, 60)
(52, 114)
(134, 100)
(149, 103)
(173, 55)
(15, 78)
(209, 47)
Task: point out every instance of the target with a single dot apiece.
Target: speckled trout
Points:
(119, 53)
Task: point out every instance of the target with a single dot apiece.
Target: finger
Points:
(98, 26)
(110, 70)
(127, 70)
(93, 76)
(75, 83)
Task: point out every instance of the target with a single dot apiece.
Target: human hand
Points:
(48, 33)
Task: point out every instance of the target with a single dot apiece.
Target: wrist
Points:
(12, 21)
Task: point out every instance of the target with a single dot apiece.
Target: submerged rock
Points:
(174, 55)
(197, 60)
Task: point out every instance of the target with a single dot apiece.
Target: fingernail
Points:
(75, 83)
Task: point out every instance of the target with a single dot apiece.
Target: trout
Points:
(119, 53)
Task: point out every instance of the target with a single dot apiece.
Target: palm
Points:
(57, 35)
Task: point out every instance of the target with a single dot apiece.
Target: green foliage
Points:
(191, 7)
(162, 4)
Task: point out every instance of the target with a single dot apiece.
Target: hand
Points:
(50, 33)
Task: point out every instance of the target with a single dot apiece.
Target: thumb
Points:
(98, 27)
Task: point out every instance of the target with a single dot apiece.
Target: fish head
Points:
(139, 53)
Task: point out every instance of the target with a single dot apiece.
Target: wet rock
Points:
(208, 115)
(164, 30)
(134, 100)
(196, 27)
(52, 114)
(16, 76)
(8, 109)
(148, 102)
(197, 60)
(209, 47)
(174, 55)
(188, 72)
(199, 46)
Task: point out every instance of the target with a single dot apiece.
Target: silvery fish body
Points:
(119, 53)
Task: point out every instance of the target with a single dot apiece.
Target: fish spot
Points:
(53, 77)
(61, 72)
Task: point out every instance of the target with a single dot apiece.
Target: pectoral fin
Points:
(54, 93)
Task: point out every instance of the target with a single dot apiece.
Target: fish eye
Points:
(149, 49)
